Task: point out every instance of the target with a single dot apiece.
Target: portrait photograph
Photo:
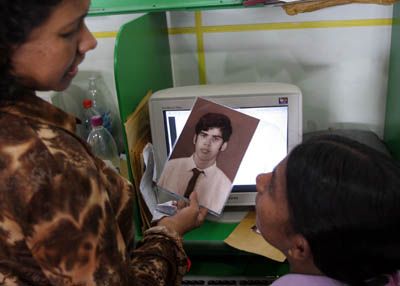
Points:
(207, 153)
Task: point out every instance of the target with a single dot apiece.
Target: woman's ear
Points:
(300, 249)
(300, 257)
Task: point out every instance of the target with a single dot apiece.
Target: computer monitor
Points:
(277, 105)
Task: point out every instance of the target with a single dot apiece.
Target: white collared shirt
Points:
(212, 186)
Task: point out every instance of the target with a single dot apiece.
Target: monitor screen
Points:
(277, 105)
(261, 155)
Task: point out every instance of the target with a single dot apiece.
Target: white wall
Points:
(342, 71)
(340, 64)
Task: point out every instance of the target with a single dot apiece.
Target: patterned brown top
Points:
(65, 218)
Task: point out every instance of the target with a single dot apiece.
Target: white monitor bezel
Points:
(231, 95)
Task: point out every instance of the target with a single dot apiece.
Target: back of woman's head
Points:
(344, 198)
(17, 20)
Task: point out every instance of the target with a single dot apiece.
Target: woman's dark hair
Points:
(17, 20)
(215, 120)
(344, 198)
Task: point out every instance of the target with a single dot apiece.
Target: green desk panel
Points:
(210, 235)
(236, 265)
(129, 6)
(211, 231)
(210, 256)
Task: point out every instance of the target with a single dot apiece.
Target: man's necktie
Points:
(192, 182)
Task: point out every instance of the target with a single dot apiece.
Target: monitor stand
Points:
(231, 214)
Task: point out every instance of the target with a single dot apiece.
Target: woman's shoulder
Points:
(35, 153)
(306, 280)
(26, 135)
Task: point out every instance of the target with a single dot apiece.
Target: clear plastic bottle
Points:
(88, 112)
(103, 144)
(98, 98)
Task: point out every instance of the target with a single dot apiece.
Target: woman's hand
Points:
(187, 217)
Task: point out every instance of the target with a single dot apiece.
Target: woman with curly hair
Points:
(65, 217)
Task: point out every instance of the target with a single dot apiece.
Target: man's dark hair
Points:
(344, 198)
(215, 120)
(17, 20)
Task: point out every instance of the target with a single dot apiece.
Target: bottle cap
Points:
(96, 120)
(87, 103)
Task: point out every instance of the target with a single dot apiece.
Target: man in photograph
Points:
(199, 172)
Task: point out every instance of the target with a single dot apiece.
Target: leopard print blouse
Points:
(65, 218)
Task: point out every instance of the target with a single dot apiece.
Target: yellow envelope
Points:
(245, 238)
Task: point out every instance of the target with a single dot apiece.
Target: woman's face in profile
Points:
(49, 59)
(271, 207)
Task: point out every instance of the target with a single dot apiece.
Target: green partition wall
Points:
(392, 120)
(142, 63)
(142, 60)
(128, 6)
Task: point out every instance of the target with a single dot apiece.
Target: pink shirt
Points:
(319, 280)
(306, 280)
